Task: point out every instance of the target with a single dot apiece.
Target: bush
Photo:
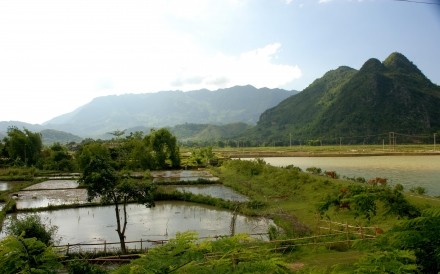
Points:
(314, 170)
(419, 190)
(33, 227)
(84, 267)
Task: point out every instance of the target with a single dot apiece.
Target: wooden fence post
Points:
(105, 247)
(67, 252)
(141, 244)
(348, 234)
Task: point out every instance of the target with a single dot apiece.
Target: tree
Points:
(23, 147)
(104, 182)
(164, 147)
(421, 235)
(57, 157)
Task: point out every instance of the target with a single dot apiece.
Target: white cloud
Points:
(57, 54)
(256, 67)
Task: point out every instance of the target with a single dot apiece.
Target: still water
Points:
(216, 191)
(96, 224)
(5, 185)
(410, 171)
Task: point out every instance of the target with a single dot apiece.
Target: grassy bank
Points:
(342, 150)
(295, 200)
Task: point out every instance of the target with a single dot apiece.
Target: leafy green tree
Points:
(57, 157)
(421, 235)
(104, 182)
(90, 150)
(23, 147)
(165, 148)
(32, 227)
(27, 255)
(202, 157)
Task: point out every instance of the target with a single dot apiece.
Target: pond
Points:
(410, 171)
(174, 176)
(216, 191)
(50, 197)
(59, 192)
(5, 185)
(96, 224)
(54, 184)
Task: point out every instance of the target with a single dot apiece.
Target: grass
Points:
(293, 197)
(327, 150)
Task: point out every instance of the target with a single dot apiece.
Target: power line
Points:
(419, 2)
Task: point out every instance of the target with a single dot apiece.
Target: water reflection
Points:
(44, 198)
(174, 176)
(54, 184)
(216, 191)
(92, 224)
(5, 185)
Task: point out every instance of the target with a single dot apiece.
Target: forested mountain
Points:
(169, 108)
(381, 97)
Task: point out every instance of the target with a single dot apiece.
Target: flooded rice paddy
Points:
(5, 185)
(98, 223)
(216, 191)
(162, 222)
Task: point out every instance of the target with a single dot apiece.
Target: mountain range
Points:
(379, 98)
(140, 112)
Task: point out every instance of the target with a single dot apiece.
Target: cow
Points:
(378, 181)
(331, 174)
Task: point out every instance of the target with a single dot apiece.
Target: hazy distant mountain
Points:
(4, 125)
(382, 97)
(168, 108)
(48, 136)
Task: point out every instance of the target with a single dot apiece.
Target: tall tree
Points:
(23, 147)
(165, 148)
(104, 182)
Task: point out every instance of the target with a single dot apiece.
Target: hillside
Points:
(358, 105)
(168, 108)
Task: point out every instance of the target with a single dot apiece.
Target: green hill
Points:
(357, 105)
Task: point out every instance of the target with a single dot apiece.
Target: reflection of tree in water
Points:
(233, 221)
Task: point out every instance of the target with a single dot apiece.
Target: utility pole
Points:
(435, 134)
(392, 137)
(290, 139)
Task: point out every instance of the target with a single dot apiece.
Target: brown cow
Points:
(378, 181)
(331, 174)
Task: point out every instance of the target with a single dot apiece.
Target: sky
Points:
(57, 55)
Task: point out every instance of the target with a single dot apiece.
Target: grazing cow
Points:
(345, 205)
(378, 181)
(378, 231)
(331, 174)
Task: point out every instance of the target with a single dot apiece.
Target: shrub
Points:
(32, 226)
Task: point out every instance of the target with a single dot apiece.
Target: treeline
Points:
(137, 151)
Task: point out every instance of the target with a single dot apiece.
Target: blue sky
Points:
(56, 55)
